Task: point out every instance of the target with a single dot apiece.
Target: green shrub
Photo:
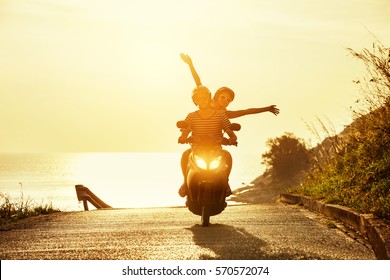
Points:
(287, 156)
(357, 173)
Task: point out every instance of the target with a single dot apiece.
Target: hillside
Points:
(263, 189)
(352, 168)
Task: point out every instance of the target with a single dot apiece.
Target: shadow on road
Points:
(232, 243)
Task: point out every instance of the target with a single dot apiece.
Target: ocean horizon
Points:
(122, 180)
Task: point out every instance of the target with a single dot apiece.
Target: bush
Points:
(287, 156)
(358, 174)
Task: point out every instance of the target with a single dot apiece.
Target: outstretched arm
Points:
(240, 113)
(187, 59)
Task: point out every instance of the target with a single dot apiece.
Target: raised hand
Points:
(186, 58)
(273, 110)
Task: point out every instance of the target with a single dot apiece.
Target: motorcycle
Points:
(207, 178)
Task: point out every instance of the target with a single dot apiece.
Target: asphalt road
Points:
(264, 231)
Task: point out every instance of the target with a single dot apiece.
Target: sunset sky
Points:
(106, 76)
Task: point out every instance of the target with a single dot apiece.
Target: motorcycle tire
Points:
(205, 217)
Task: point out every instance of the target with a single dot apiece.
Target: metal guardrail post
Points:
(85, 195)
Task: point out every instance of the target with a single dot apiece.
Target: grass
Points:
(12, 211)
(353, 168)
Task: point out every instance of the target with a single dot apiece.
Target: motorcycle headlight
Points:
(214, 164)
(200, 162)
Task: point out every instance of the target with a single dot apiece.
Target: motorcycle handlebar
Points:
(185, 124)
(225, 142)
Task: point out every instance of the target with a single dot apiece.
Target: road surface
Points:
(264, 231)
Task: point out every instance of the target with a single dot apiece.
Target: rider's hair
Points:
(198, 90)
(224, 90)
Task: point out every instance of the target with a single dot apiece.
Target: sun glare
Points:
(118, 178)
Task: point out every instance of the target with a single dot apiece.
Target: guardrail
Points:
(85, 195)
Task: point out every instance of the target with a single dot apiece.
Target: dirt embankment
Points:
(263, 189)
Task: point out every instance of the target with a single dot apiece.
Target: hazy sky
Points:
(90, 76)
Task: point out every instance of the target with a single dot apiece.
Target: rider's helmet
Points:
(200, 91)
(223, 90)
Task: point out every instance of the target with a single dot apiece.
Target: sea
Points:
(122, 180)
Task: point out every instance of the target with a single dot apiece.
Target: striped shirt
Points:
(212, 126)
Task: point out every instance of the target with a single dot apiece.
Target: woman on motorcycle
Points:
(205, 122)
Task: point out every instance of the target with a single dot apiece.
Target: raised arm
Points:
(251, 111)
(187, 59)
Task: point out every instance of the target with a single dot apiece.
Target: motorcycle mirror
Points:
(235, 127)
(182, 124)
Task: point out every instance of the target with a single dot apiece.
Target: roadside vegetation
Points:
(287, 156)
(12, 211)
(352, 168)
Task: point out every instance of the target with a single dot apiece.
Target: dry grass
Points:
(11, 211)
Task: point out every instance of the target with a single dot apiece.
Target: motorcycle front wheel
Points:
(205, 217)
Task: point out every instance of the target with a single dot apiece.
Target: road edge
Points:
(376, 231)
